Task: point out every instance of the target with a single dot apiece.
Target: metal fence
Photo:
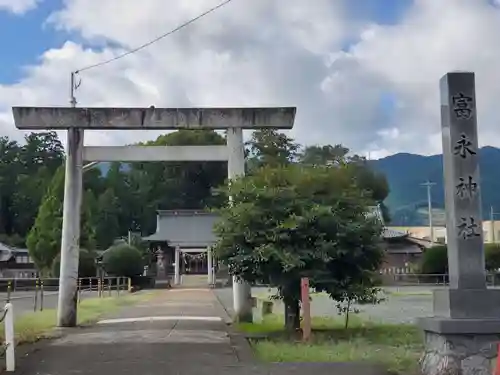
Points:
(37, 289)
(415, 279)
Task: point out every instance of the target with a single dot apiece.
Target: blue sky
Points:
(25, 37)
(363, 73)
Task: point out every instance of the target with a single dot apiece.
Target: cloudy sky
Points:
(361, 72)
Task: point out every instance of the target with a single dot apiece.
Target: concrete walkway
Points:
(181, 332)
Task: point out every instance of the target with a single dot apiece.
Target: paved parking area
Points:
(402, 304)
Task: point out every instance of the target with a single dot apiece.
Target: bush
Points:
(492, 256)
(123, 260)
(435, 260)
(86, 265)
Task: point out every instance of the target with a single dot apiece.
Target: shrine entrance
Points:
(194, 262)
(77, 120)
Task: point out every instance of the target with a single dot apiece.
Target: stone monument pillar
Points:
(462, 335)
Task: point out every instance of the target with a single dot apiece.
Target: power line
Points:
(130, 52)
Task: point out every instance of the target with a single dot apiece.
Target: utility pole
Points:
(492, 224)
(429, 186)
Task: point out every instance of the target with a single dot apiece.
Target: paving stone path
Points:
(179, 332)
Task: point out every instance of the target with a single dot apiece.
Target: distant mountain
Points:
(408, 198)
(405, 173)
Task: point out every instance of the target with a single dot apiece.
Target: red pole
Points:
(306, 309)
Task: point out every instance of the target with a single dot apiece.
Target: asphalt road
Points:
(24, 302)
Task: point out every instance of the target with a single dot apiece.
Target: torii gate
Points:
(76, 120)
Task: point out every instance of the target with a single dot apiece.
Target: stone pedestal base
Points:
(461, 352)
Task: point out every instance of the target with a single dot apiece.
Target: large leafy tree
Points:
(25, 173)
(173, 185)
(324, 155)
(297, 221)
(44, 238)
(9, 167)
(269, 147)
(106, 219)
(373, 182)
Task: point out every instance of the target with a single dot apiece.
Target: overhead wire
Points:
(141, 47)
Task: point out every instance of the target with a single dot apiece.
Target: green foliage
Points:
(123, 260)
(492, 256)
(324, 155)
(373, 182)
(25, 173)
(128, 195)
(357, 295)
(435, 261)
(44, 239)
(268, 147)
(86, 264)
(147, 187)
(106, 219)
(143, 247)
(298, 221)
(89, 209)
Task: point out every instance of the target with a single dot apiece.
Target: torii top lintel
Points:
(38, 118)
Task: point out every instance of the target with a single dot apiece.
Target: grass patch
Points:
(266, 296)
(398, 347)
(31, 327)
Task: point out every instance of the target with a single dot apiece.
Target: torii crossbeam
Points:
(76, 120)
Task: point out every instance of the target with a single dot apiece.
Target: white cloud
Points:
(408, 60)
(18, 6)
(281, 52)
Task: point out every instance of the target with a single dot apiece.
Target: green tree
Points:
(171, 185)
(269, 147)
(107, 226)
(123, 260)
(492, 256)
(9, 168)
(373, 182)
(435, 261)
(324, 155)
(25, 173)
(44, 238)
(39, 158)
(297, 221)
(86, 264)
(88, 223)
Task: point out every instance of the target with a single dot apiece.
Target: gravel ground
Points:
(402, 305)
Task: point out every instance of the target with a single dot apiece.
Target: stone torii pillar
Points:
(76, 120)
(70, 237)
(242, 293)
(462, 336)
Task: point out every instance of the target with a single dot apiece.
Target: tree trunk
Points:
(347, 314)
(292, 316)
